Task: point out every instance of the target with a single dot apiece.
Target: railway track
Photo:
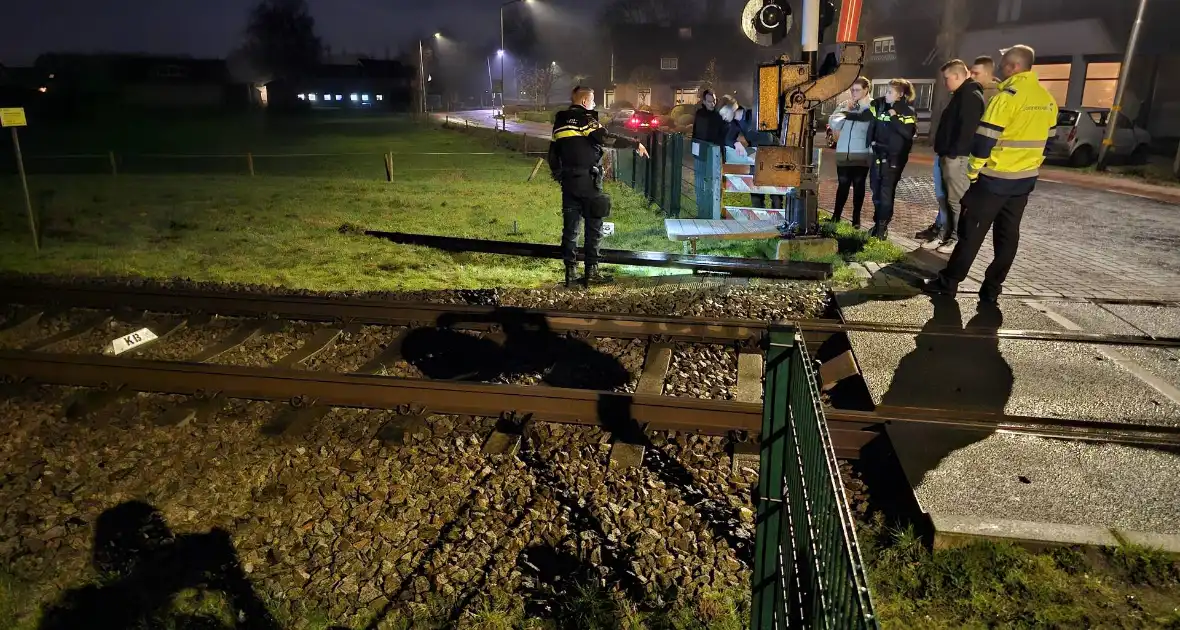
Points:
(517, 342)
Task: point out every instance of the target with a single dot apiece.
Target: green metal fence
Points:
(808, 571)
(667, 178)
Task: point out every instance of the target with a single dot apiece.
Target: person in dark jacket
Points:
(892, 138)
(952, 149)
(575, 157)
(707, 127)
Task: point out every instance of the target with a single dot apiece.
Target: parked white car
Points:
(1080, 133)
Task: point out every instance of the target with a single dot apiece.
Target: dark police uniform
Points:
(575, 161)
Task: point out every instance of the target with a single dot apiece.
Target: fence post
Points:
(114, 164)
(388, 166)
(250, 162)
(677, 173)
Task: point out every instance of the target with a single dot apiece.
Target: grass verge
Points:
(299, 230)
(986, 585)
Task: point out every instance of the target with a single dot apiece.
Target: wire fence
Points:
(389, 165)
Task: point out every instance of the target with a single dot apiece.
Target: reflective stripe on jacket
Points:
(1012, 138)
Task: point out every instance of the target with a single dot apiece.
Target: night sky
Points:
(210, 28)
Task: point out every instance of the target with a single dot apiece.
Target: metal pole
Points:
(422, 76)
(24, 182)
(491, 86)
(1124, 73)
(811, 55)
(503, 53)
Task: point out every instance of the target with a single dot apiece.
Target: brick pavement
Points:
(1075, 242)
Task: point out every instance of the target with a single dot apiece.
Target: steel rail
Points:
(1058, 428)
(551, 404)
(748, 267)
(378, 312)
(851, 430)
(940, 330)
(885, 292)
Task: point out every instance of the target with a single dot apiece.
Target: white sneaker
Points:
(932, 243)
(947, 246)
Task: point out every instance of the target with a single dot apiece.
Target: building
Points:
(361, 84)
(665, 65)
(1079, 43)
(143, 81)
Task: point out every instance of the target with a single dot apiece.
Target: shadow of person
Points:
(520, 342)
(947, 371)
(561, 588)
(142, 566)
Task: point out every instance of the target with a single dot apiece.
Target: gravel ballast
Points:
(342, 523)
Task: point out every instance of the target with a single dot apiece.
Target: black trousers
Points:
(581, 200)
(885, 188)
(984, 210)
(850, 177)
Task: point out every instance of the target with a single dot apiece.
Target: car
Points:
(1080, 133)
(625, 112)
(640, 121)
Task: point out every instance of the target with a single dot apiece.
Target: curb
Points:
(1089, 182)
(953, 530)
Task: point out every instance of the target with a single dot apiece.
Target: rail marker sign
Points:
(13, 117)
(608, 228)
(119, 345)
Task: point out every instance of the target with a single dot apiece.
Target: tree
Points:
(538, 81)
(709, 78)
(281, 39)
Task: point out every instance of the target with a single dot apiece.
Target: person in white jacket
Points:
(851, 123)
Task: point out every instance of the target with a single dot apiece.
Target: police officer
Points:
(1006, 156)
(575, 161)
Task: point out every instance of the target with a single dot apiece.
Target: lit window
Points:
(380, 97)
(311, 97)
(1054, 77)
(353, 97)
(1102, 80)
(884, 45)
(42, 89)
(685, 32)
(302, 97)
(340, 97)
(365, 97)
(327, 97)
(669, 63)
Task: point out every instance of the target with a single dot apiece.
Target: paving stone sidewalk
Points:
(1075, 242)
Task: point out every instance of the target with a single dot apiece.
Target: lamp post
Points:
(503, 52)
(422, 71)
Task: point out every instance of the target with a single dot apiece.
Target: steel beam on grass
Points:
(746, 267)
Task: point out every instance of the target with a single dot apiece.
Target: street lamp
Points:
(422, 71)
(503, 47)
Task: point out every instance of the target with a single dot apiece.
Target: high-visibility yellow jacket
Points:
(1012, 138)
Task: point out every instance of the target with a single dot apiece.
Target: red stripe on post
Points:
(849, 21)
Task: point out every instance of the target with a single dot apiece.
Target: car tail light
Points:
(634, 121)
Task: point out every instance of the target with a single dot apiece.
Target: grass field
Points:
(285, 228)
(184, 205)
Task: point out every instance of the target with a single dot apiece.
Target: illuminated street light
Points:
(438, 35)
(503, 47)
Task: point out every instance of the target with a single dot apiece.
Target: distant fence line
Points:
(362, 164)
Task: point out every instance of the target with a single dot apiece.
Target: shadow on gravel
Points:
(520, 343)
(142, 566)
(614, 414)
